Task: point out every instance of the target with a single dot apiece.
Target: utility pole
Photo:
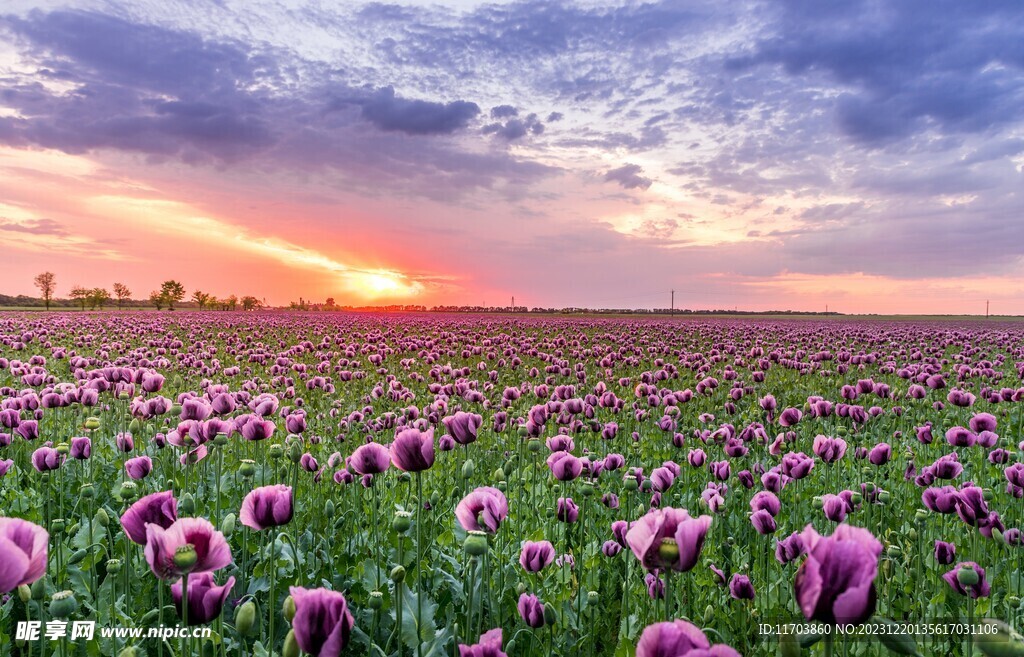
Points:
(513, 303)
(672, 308)
(986, 308)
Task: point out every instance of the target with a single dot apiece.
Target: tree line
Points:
(169, 295)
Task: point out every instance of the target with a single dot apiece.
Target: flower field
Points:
(428, 485)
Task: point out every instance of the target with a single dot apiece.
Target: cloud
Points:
(416, 117)
(33, 226)
(628, 175)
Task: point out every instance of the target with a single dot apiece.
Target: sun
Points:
(374, 285)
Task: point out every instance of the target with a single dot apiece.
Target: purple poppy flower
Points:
(763, 522)
(484, 509)
(463, 427)
(797, 465)
(767, 501)
(5, 466)
(535, 556)
(829, 449)
(979, 588)
(835, 583)
(205, 598)
(413, 450)
(566, 510)
(138, 467)
(983, 422)
(162, 547)
(23, 552)
(679, 638)
(880, 454)
(835, 507)
(1015, 474)
(322, 623)
(157, 508)
(489, 645)
(268, 506)
(564, 466)
(789, 548)
(369, 459)
(944, 552)
(940, 500)
(80, 448)
(655, 586)
(45, 459)
(696, 458)
(740, 587)
(960, 437)
(790, 417)
(531, 610)
(663, 527)
(610, 548)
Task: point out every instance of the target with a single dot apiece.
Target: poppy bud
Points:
(288, 609)
(127, 651)
(62, 448)
(87, 491)
(276, 451)
(113, 566)
(186, 505)
(24, 593)
(101, 517)
(245, 617)
(38, 589)
(227, 525)
(57, 525)
(550, 617)
(291, 645)
(534, 445)
(398, 574)
(376, 600)
(467, 469)
(92, 423)
(329, 509)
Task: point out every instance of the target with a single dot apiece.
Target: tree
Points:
(201, 298)
(330, 302)
(250, 303)
(122, 293)
(80, 294)
(97, 297)
(46, 282)
(231, 302)
(157, 299)
(173, 292)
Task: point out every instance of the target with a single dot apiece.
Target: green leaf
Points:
(413, 634)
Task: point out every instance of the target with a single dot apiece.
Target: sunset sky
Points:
(758, 155)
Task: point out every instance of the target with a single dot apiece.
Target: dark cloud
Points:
(629, 177)
(910, 66)
(515, 128)
(417, 117)
(503, 112)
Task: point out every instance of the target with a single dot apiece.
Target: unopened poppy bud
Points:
(329, 509)
(987, 494)
(24, 593)
(398, 574)
(476, 543)
(435, 498)
(77, 556)
(709, 615)
(856, 498)
(404, 477)
(921, 515)
(127, 651)
(522, 431)
(468, 469)
(588, 488)
(520, 588)
(291, 645)
(186, 505)
(550, 616)
(893, 551)
(101, 517)
(38, 589)
(134, 425)
(245, 617)
(502, 486)
(646, 486)
(288, 609)
(295, 452)
(508, 468)
(227, 525)
(817, 502)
